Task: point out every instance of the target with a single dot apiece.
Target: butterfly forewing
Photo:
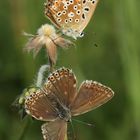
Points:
(39, 106)
(62, 83)
(49, 13)
(56, 130)
(90, 96)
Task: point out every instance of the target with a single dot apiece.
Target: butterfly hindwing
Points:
(91, 95)
(56, 130)
(63, 13)
(71, 16)
(88, 8)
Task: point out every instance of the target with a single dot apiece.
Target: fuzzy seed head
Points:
(46, 30)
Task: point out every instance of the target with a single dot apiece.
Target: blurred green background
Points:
(115, 62)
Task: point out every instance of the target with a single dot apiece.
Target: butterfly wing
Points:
(62, 85)
(56, 130)
(90, 96)
(39, 106)
(88, 8)
(49, 13)
(62, 13)
(70, 14)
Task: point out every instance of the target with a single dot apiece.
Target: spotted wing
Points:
(61, 84)
(90, 96)
(70, 14)
(49, 13)
(64, 14)
(88, 8)
(39, 106)
(56, 130)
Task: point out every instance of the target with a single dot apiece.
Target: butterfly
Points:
(59, 99)
(47, 36)
(70, 16)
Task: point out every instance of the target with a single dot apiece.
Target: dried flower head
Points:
(47, 36)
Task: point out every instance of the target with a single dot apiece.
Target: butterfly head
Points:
(72, 33)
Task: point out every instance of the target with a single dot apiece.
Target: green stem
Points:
(24, 130)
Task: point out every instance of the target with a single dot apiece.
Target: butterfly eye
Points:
(81, 34)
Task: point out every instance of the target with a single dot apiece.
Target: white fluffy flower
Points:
(47, 36)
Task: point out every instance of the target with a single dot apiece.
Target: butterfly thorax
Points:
(64, 113)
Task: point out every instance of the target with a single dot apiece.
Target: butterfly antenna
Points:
(85, 123)
(73, 132)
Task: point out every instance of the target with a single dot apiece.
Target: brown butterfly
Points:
(70, 16)
(59, 99)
